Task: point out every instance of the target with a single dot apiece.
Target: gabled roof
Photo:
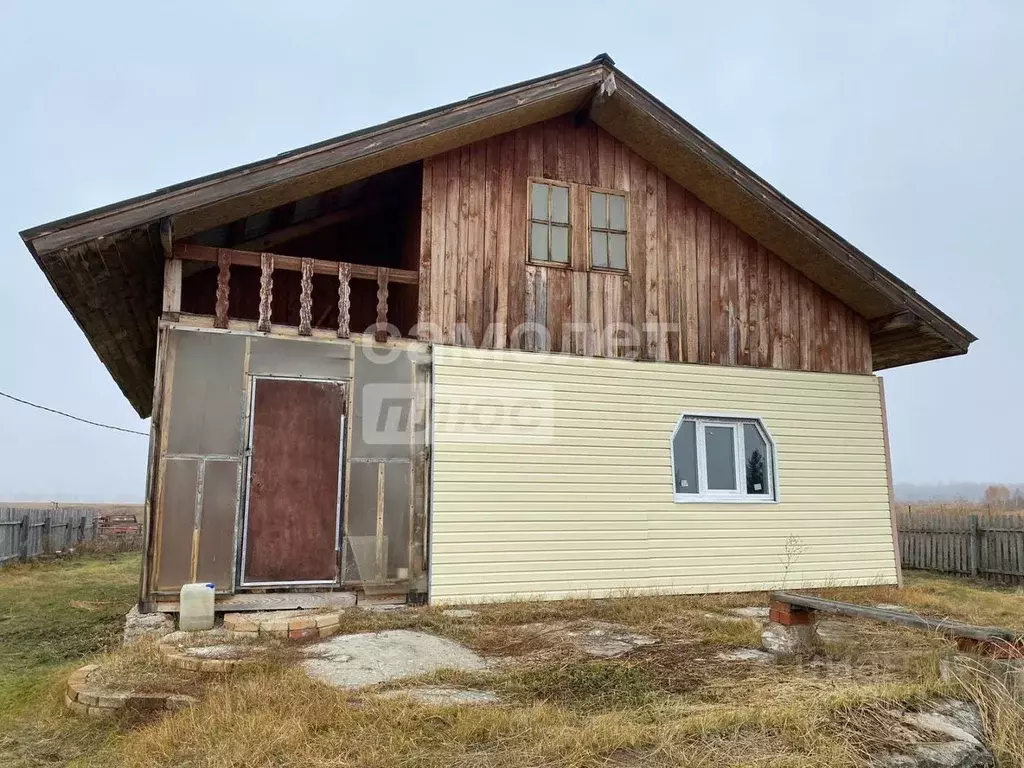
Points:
(107, 264)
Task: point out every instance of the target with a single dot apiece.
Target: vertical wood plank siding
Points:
(552, 478)
(698, 288)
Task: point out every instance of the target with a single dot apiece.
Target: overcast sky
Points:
(899, 125)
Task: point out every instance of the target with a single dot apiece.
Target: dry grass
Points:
(284, 719)
(1002, 715)
(675, 703)
(140, 668)
(961, 508)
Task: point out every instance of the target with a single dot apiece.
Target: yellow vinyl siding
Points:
(552, 478)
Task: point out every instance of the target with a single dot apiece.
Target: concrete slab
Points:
(369, 658)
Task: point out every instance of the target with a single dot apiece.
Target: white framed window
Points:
(723, 458)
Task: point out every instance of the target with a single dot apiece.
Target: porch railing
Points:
(267, 263)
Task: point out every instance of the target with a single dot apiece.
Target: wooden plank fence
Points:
(28, 533)
(987, 546)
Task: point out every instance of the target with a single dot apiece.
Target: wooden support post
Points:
(975, 542)
(172, 290)
(47, 545)
(381, 333)
(344, 298)
(81, 530)
(23, 539)
(266, 291)
(381, 551)
(223, 278)
(306, 299)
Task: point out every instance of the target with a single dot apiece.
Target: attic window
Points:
(549, 223)
(726, 459)
(607, 230)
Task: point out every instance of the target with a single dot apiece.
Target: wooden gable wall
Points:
(698, 288)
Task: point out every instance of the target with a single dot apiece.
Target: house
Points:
(547, 341)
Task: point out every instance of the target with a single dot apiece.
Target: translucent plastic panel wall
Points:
(203, 418)
(384, 446)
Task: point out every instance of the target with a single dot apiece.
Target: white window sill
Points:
(698, 498)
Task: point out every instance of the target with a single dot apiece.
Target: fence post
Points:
(975, 547)
(81, 530)
(47, 529)
(23, 539)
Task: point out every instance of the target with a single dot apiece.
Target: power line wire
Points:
(76, 418)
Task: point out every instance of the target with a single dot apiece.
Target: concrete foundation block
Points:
(788, 639)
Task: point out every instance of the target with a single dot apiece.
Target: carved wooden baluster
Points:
(344, 275)
(223, 278)
(266, 290)
(381, 334)
(306, 299)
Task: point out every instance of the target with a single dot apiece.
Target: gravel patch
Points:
(369, 658)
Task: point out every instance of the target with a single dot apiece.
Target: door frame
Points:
(343, 384)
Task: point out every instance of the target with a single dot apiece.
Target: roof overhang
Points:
(107, 264)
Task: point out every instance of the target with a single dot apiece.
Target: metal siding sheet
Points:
(552, 479)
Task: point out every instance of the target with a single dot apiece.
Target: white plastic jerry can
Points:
(195, 607)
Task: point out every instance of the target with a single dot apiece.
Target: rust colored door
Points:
(291, 520)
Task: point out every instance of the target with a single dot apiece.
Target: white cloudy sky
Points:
(897, 124)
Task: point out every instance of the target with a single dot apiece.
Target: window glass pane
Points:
(539, 201)
(721, 459)
(756, 461)
(617, 251)
(539, 242)
(560, 204)
(598, 217)
(617, 212)
(684, 455)
(599, 248)
(560, 244)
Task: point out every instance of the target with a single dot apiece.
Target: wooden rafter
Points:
(303, 228)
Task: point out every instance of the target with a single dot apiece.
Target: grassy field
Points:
(673, 703)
